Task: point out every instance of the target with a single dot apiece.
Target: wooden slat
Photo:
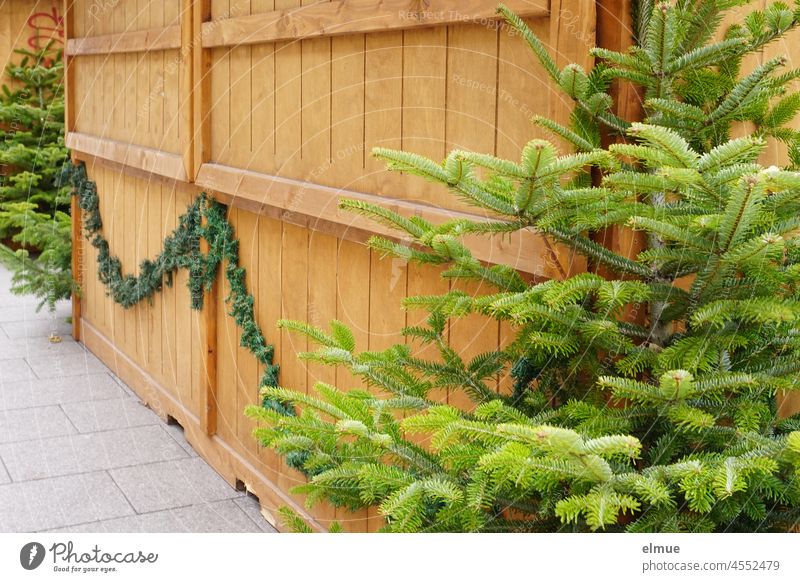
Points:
(201, 92)
(148, 159)
(156, 39)
(525, 250)
(186, 100)
(77, 266)
(355, 16)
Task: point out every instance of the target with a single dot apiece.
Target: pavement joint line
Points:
(187, 456)
(153, 512)
(121, 490)
(69, 420)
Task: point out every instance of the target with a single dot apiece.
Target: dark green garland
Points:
(181, 250)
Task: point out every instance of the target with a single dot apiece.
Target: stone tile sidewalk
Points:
(80, 453)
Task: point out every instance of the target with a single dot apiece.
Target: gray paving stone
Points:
(252, 508)
(218, 517)
(83, 453)
(36, 328)
(14, 371)
(221, 517)
(35, 347)
(171, 484)
(4, 477)
(29, 424)
(94, 416)
(20, 311)
(62, 365)
(61, 501)
(176, 431)
(45, 392)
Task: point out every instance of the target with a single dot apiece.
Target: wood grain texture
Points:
(126, 42)
(149, 160)
(525, 249)
(355, 16)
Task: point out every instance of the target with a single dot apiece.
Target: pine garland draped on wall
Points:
(204, 219)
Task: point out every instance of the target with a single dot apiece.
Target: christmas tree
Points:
(662, 423)
(34, 189)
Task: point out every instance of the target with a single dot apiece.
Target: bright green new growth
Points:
(34, 191)
(661, 423)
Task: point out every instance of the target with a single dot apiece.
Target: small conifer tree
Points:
(664, 424)
(34, 191)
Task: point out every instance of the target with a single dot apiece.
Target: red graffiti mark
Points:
(46, 26)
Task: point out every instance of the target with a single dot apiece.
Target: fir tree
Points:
(668, 423)
(34, 166)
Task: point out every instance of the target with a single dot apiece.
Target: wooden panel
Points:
(280, 128)
(355, 16)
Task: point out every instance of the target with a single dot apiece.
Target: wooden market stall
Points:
(272, 107)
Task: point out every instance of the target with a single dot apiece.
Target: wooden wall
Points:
(272, 106)
(28, 24)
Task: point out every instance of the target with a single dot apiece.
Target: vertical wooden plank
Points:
(117, 62)
(425, 281)
(186, 89)
(322, 270)
(155, 97)
(249, 369)
(142, 207)
(268, 308)
(471, 124)
(228, 345)
(470, 336)
(201, 97)
(220, 91)
(117, 238)
(294, 303)
(424, 103)
(316, 105)
(388, 285)
(183, 318)
(262, 126)
(347, 113)
(522, 91)
(168, 342)
(130, 90)
(288, 93)
(77, 266)
(572, 33)
(155, 317)
(383, 107)
(69, 72)
(172, 86)
(127, 253)
(220, 105)
(241, 106)
(77, 260)
(5, 33)
(208, 353)
(353, 309)
(471, 88)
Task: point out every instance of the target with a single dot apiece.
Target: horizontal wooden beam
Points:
(525, 250)
(357, 16)
(157, 39)
(149, 160)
